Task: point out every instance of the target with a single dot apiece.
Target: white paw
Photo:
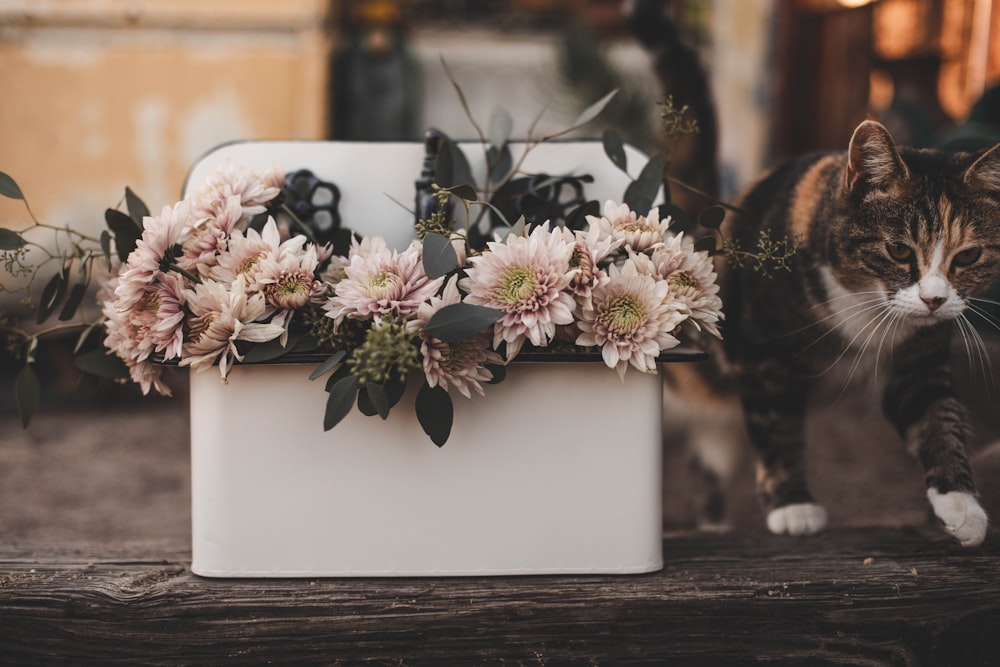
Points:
(798, 519)
(962, 515)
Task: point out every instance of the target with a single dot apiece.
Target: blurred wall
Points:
(100, 94)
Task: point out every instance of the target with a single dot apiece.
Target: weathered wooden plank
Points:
(720, 600)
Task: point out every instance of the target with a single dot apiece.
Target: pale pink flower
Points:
(219, 318)
(255, 188)
(692, 280)
(209, 239)
(244, 254)
(335, 271)
(461, 365)
(380, 282)
(288, 282)
(153, 251)
(639, 232)
(525, 278)
(589, 250)
(632, 319)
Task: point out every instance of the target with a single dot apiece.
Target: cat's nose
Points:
(933, 302)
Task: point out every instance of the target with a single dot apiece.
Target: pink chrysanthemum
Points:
(638, 232)
(692, 280)
(525, 277)
(632, 319)
(123, 334)
(210, 237)
(461, 365)
(380, 282)
(221, 317)
(245, 253)
(589, 250)
(154, 249)
(255, 189)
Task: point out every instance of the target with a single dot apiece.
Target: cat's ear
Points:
(872, 158)
(985, 172)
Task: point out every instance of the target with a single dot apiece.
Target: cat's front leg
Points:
(774, 408)
(927, 413)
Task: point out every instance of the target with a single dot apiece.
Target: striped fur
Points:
(894, 242)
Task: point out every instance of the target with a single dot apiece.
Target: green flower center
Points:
(384, 285)
(623, 316)
(518, 285)
(682, 280)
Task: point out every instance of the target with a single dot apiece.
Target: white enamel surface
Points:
(557, 470)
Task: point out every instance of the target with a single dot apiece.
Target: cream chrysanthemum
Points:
(692, 280)
(631, 319)
(525, 278)
(208, 240)
(152, 252)
(255, 189)
(379, 282)
(221, 317)
(124, 336)
(461, 365)
(638, 232)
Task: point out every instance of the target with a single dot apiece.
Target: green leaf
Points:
(577, 218)
(439, 256)
(500, 126)
(594, 110)
(706, 244)
(8, 188)
(52, 294)
(435, 413)
(517, 229)
(394, 389)
(102, 363)
(340, 401)
(614, 148)
(125, 230)
(137, 209)
(641, 193)
(365, 405)
(452, 167)
(271, 350)
(328, 365)
(106, 247)
(499, 372)
(466, 192)
(712, 217)
(73, 302)
(379, 399)
(679, 219)
(27, 393)
(84, 335)
(499, 162)
(10, 240)
(458, 321)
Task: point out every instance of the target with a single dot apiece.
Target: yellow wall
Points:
(99, 94)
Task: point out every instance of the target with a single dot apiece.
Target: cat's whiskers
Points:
(883, 312)
(879, 320)
(983, 313)
(969, 332)
(847, 318)
(833, 314)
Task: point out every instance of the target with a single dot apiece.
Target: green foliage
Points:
(8, 188)
(675, 119)
(459, 321)
(27, 393)
(435, 413)
(439, 256)
(767, 256)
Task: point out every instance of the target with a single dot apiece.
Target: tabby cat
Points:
(895, 244)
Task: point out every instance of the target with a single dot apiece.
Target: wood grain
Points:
(858, 597)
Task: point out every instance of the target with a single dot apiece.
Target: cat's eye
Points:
(899, 251)
(968, 256)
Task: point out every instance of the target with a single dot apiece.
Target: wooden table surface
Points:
(851, 596)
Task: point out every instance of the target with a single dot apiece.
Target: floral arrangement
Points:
(231, 275)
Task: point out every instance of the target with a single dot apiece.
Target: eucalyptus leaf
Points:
(594, 110)
(501, 125)
(518, 228)
(328, 365)
(125, 230)
(439, 256)
(10, 240)
(499, 372)
(577, 218)
(338, 375)
(365, 405)
(27, 393)
(52, 294)
(706, 244)
(679, 219)
(641, 193)
(340, 401)
(458, 321)
(394, 389)
(435, 413)
(106, 247)
(614, 148)
(82, 338)
(8, 188)
(137, 209)
(500, 162)
(270, 350)
(102, 363)
(73, 302)
(712, 217)
(379, 399)
(466, 192)
(452, 167)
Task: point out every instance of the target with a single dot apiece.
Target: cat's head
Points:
(920, 226)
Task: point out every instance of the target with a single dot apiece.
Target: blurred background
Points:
(100, 94)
